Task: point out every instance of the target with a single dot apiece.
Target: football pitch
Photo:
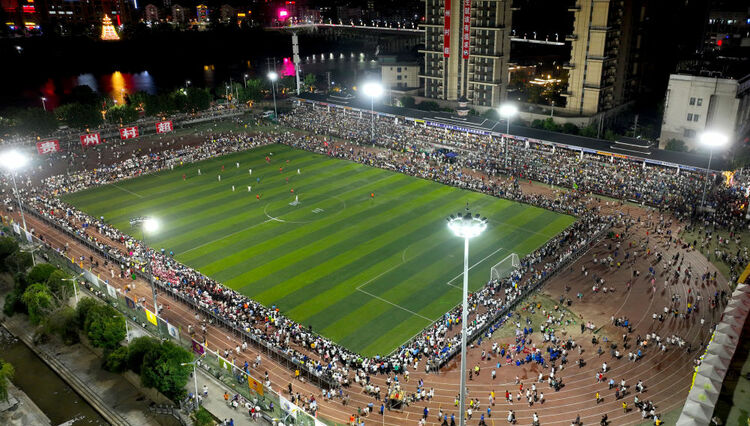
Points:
(367, 272)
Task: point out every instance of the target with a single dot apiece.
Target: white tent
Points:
(721, 364)
(698, 411)
(736, 308)
(723, 339)
(712, 372)
(742, 288)
(707, 383)
(724, 352)
(686, 420)
(730, 327)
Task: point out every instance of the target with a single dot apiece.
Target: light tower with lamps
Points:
(44, 103)
(465, 226)
(148, 226)
(712, 140)
(273, 76)
(507, 111)
(373, 90)
(12, 161)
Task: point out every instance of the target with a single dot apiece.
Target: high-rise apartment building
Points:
(604, 67)
(467, 47)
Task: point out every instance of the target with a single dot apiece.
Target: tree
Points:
(104, 327)
(85, 305)
(253, 91)
(310, 80)
(39, 302)
(589, 131)
(64, 323)
(117, 360)
(198, 99)
(161, 369)
(6, 373)
(408, 102)
(428, 106)
(35, 121)
(60, 285)
(18, 261)
(676, 145)
(40, 273)
(549, 124)
(137, 351)
(286, 84)
(8, 246)
(610, 135)
(122, 114)
(79, 116)
(570, 128)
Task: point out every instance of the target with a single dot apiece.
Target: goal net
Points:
(505, 267)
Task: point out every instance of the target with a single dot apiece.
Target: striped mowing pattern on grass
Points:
(367, 272)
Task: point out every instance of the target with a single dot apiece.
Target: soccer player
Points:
(250, 171)
(372, 195)
(249, 188)
(257, 197)
(238, 164)
(298, 172)
(199, 172)
(232, 188)
(219, 178)
(184, 177)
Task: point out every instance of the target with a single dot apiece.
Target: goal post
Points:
(505, 267)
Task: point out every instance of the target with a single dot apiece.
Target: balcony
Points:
(569, 66)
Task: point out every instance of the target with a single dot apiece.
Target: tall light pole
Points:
(74, 281)
(273, 76)
(507, 111)
(148, 226)
(12, 161)
(373, 90)
(195, 379)
(44, 103)
(465, 226)
(187, 83)
(244, 78)
(711, 140)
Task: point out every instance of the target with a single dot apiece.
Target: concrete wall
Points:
(399, 75)
(694, 104)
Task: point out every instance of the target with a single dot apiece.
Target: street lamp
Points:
(373, 90)
(712, 140)
(273, 76)
(14, 160)
(74, 281)
(187, 83)
(195, 379)
(465, 226)
(44, 103)
(507, 111)
(244, 78)
(148, 226)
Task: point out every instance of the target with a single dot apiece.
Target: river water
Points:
(345, 68)
(55, 398)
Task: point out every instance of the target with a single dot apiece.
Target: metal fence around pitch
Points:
(252, 390)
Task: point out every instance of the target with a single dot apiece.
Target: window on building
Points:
(692, 101)
(700, 101)
(398, 69)
(398, 77)
(696, 117)
(690, 117)
(689, 133)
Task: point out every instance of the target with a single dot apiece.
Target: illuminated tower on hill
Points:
(108, 30)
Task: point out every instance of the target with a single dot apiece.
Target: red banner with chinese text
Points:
(48, 147)
(466, 41)
(447, 29)
(129, 132)
(163, 127)
(90, 139)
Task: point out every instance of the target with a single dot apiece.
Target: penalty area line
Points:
(127, 190)
(472, 267)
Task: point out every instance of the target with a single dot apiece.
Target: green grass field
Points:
(368, 273)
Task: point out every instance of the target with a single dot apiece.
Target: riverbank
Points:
(20, 410)
(110, 394)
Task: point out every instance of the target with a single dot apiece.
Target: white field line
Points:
(227, 236)
(472, 267)
(126, 190)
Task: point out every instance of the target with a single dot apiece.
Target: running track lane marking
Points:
(126, 190)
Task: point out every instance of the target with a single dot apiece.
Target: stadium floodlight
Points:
(507, 111)
(465, 226)
(711, 139)
(148, 225)
(373, 90)
(273, 76)
(12, 161)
